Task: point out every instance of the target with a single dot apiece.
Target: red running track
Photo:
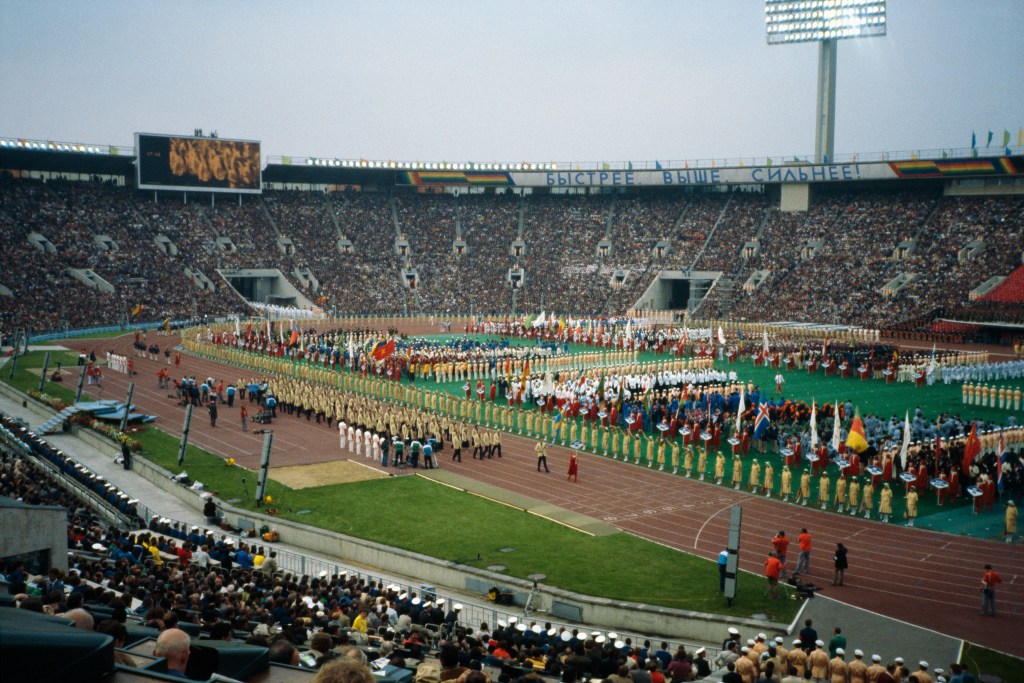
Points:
(926, 578)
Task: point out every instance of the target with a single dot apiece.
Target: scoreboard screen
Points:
(168, 162)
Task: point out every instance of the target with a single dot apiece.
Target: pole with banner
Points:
(184, 435)
(81, 383)
(127, 406)
(42, 375)
(733, 562)
(261, 483)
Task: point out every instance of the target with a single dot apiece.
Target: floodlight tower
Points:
(824, 21)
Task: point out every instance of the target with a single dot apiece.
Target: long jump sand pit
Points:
(324, 474)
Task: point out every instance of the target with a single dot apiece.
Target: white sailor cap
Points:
(98, 546)
(566, 636)
(876, 658)
(820, 643)
(521, 628)
(858, 653)
(761, 636)
(600, 639)
(779, 640)
(840, 651)
(733, 631)
(923, 664)
(457, 606)
(700, 651)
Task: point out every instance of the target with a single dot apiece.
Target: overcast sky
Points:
(483, 80)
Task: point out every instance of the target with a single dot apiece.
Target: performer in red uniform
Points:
(574, 468)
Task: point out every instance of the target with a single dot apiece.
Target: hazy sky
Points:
(514, 81)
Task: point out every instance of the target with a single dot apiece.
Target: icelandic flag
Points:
(762, 421)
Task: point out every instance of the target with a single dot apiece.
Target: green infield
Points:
(29, 365)
(991, 664)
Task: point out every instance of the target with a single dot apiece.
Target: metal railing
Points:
(993, 150)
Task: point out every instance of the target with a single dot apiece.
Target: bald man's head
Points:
(173, 644)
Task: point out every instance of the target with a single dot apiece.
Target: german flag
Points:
(856, 441)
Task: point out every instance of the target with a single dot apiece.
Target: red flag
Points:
(382, 350)
(971, 448)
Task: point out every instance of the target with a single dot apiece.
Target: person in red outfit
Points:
(989, 580)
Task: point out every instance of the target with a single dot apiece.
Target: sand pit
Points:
(324, 474)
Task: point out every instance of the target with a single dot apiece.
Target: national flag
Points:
(814, 425)
(1006, 138)
(762, 422)
(988, 143)
(526, 372)
(238, 326)
(138, 309)
(836, 429)
(382, 349)
(824, 347)
(739, 412)
(294, 339)
(905, 448)
(855, 440)
(657, 165)
(721, 335)
(1020, 137)
(974, 140)
(1000, 456)
(764, 342)
(972, 448)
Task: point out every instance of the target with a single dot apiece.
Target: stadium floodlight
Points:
(824, 22)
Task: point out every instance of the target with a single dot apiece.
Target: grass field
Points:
(418, 515)
(994, 665)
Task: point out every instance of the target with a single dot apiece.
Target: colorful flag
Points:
(814, 425)
(295, 336)
(381, 350)
(1000, 456)
(855, 440)
(971, 448)
(138, 309)
(836, 429)
(762, 422)
(1006, 138)
(905, 447)
(739, 412)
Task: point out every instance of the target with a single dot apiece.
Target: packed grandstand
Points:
(892, 255)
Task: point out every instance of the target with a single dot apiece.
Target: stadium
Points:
(355, 369)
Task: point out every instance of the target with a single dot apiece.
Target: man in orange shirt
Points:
(781, 545)
(803, 560)
(772, 570)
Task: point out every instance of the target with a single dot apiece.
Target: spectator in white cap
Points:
(734, 637)
(922, 674)
(838, 670)
(818, 661)
(858, 669)
(876, 668)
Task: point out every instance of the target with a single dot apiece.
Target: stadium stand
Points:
(157, 257)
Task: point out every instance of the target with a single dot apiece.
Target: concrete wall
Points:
(33, 528)
(795, 197)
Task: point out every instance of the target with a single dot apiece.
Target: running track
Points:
(922, 577)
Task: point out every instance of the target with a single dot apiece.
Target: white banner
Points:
(803, 173)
